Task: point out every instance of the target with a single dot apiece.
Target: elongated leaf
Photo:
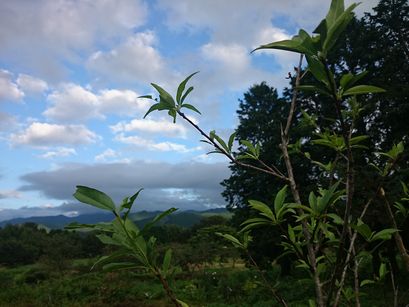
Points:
(349, 79)
(166, 262)
(94, 198)
(107, 240)
(279, 199)
(120, 266)
(231, 239)
(363, 89)
(106, 259)
(367, 282)
(316, 67)
(190, 107)
(314, 89)
(157, 106)
(128, 202)
(261, 207)
(254, 225)
(384, 234)
(182, 86)
(325, 200)
(231, 140)
(335, 11)
(146, 96)
(182, 303)
(164, 96)
(312, 200)
(288, 45)
(336, 28)
(186, 93)
(221, 142)
(335, 218)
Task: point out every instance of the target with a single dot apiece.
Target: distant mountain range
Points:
(182, 218)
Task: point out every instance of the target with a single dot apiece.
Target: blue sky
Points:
(71, 72)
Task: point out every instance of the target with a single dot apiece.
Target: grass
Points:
(40, 285)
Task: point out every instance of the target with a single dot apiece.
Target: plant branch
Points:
(267, 169)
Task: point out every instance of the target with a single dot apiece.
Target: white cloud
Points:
(73, 102)
(50, 32)
(8, 89)
(162, 126)
(109, 153)
(59, 152)
(44, 134)
(122, 102)
(146, 144)
(135, 61)
(31, 84)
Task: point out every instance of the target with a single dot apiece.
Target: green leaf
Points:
(106, 259)
(314, 89)
(336, 218)
(94, 198)
(298, 43)
(186, 93)
(119, 266)
(107, 240)
(164, 96)
(316, 67)
(337, 26)
(382, 271)
(279, 199)
(182, 303)
(182, 86)
(190, 107)
(347, 80)
(363, 230)
(363, 89)
(146, 96)
(157, 106)
(312, 200)
(221, 142)
(263, 208)
(128, 202)
(367, 282)
(335, 11)
(326, 198)
(384, 234)
(166, 262)
(231, 239)
(231, 140)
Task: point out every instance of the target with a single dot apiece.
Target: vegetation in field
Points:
(318, 195)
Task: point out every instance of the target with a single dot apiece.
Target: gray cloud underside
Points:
(187, 186)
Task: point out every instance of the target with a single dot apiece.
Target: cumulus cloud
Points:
(9, 90)
(59, 152)
(147, 144)
(57, 31)
(73, 102)
(162, 126)
(44, 134)
(136, 60)
(31, 84)
(123, 179)
(108, 153)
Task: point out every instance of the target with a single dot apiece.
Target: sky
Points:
(71, 72)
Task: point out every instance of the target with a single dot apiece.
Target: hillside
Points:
(182, 218)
